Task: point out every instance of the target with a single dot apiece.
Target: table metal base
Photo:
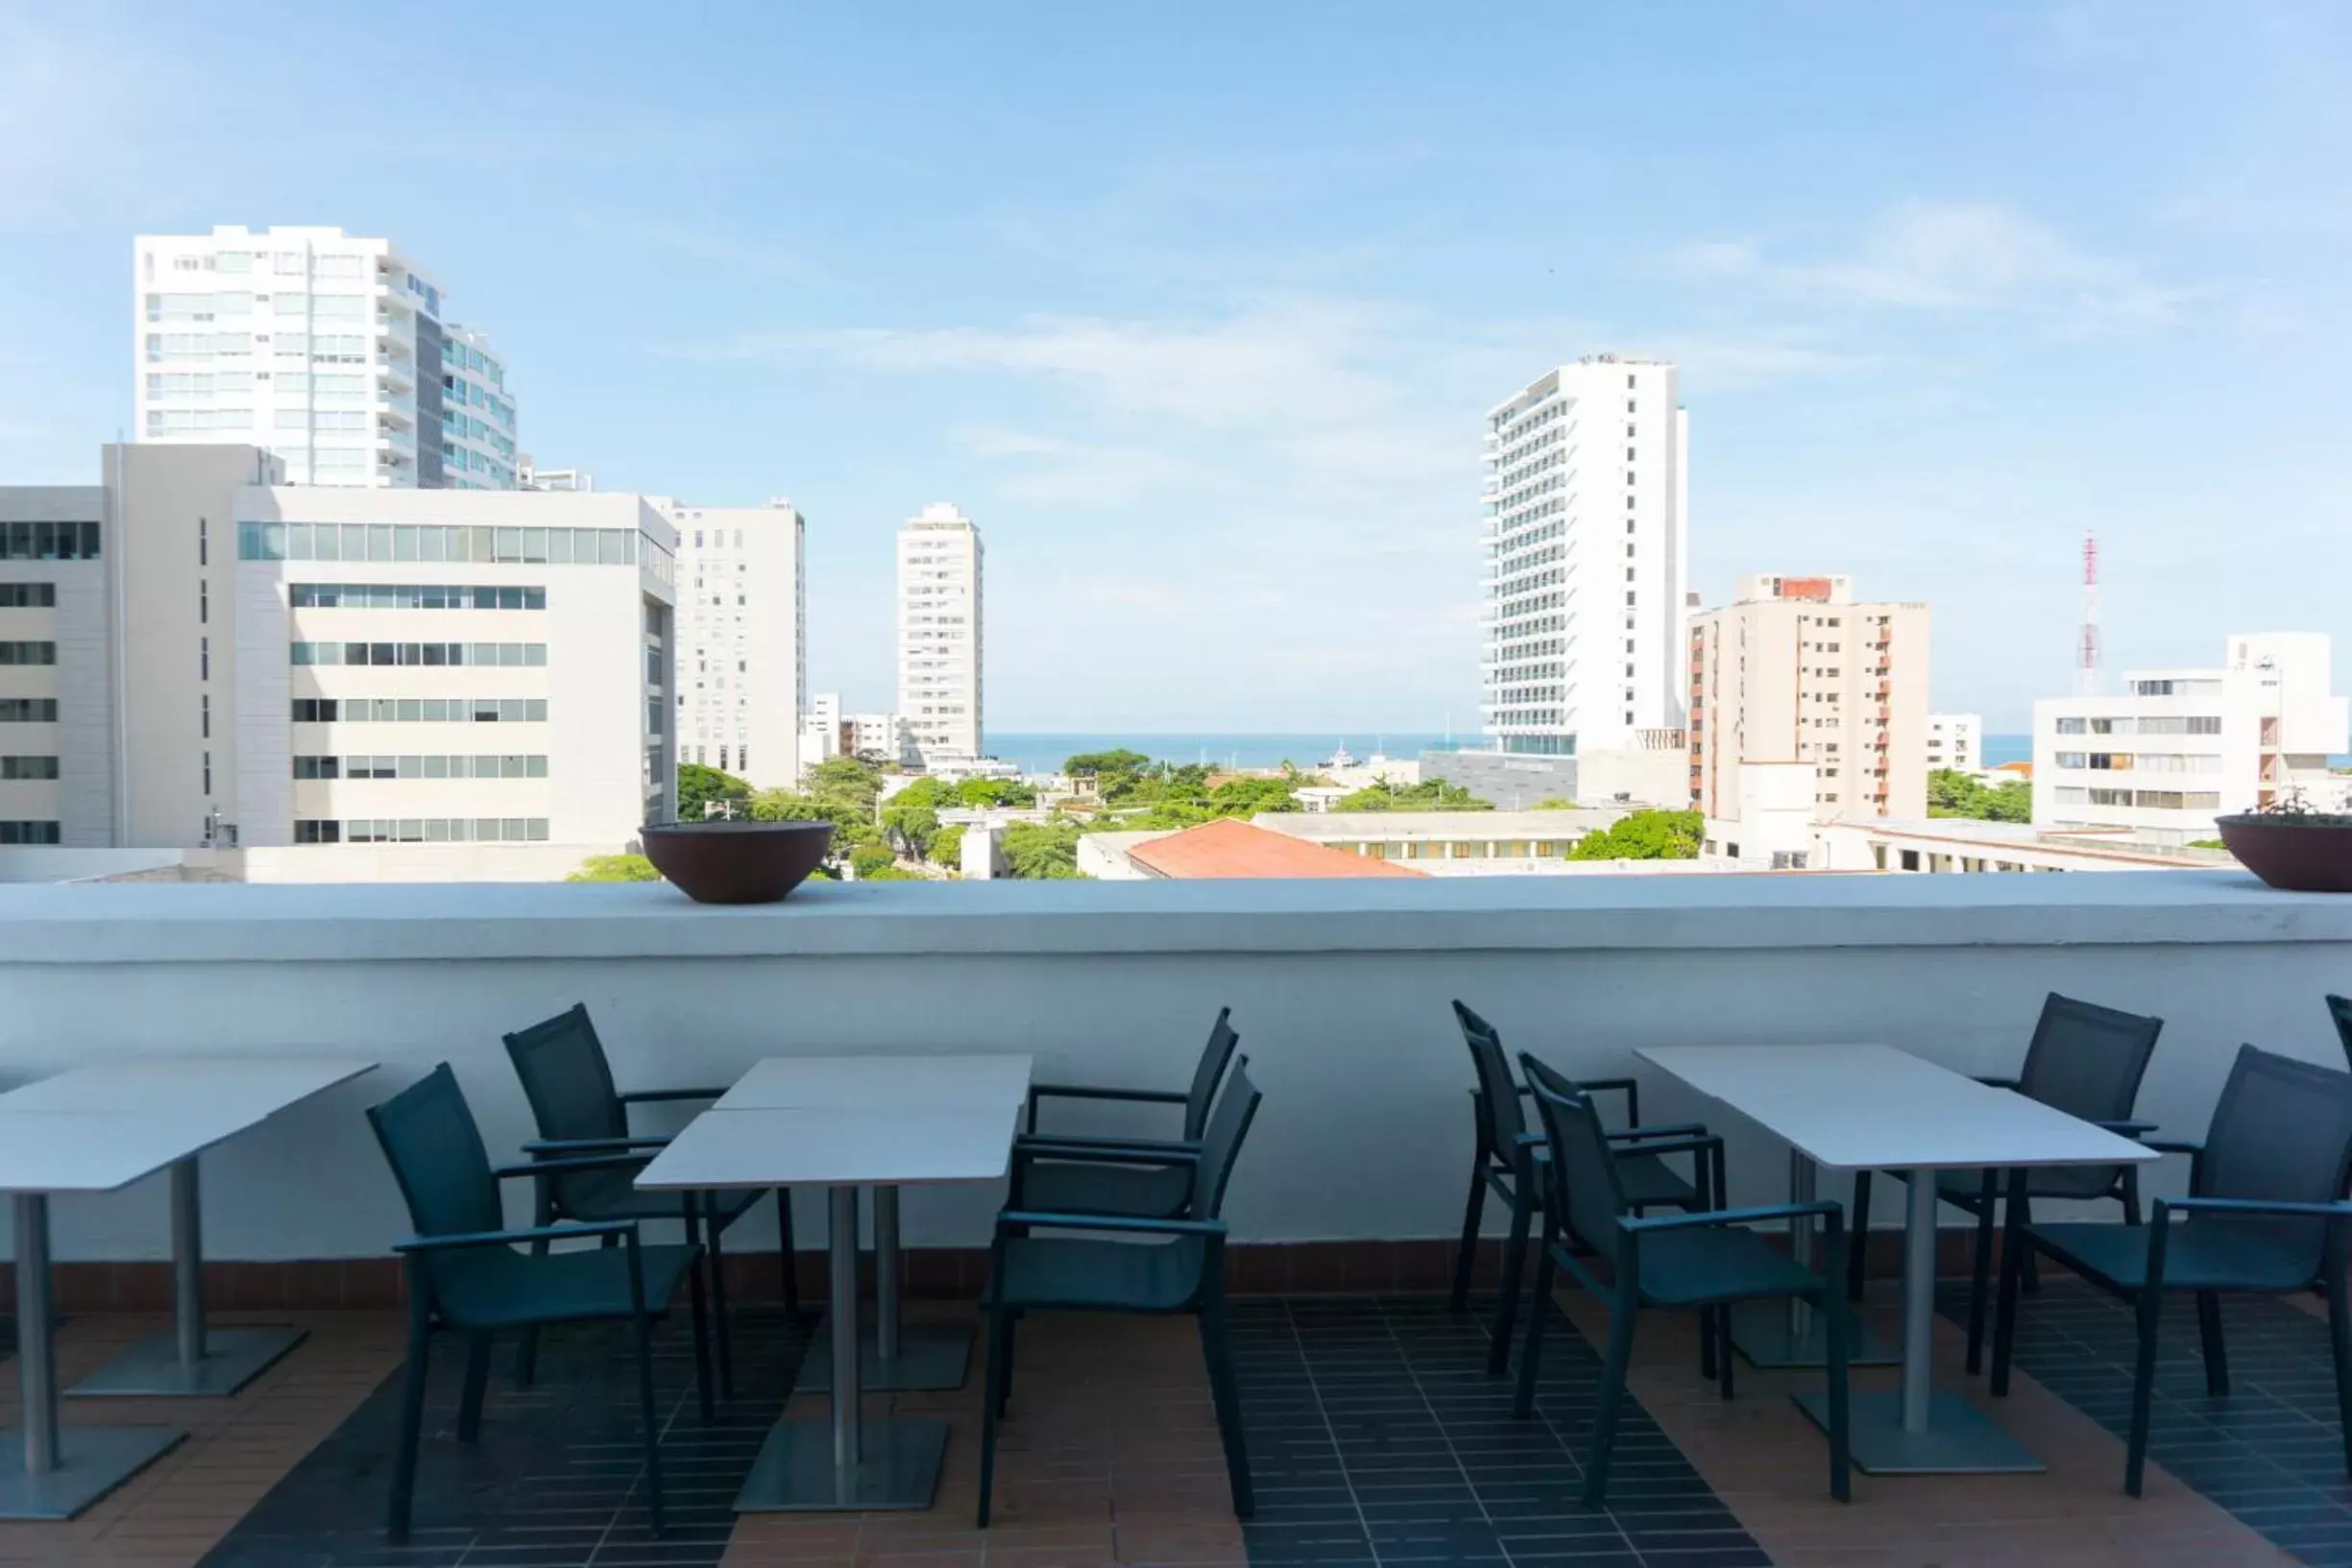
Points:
(1769, 1338)
(930, 1356)
(91, 1463)
(795, 1472)
(232, 1358)
(1961, 1440)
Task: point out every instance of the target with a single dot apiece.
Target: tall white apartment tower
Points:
(328, 351)
(1587, 545)
(940, 633)
(743, 639)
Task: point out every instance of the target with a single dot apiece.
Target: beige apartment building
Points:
(193, 653)
(1794, 671)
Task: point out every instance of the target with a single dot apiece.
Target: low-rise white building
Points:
(2180, 747)
(1956, 741)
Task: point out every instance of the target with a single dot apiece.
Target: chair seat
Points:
(613, 1194)
(1146, 1192)
(498, 1288)
(1718, 1263)
(1081, 1275)
(2205, 1253)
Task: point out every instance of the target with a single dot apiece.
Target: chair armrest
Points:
(586, 1146)
(1734, 1217)
(1103, 1153)
(1630, 1088)
(1710, 1144)
(1042, 1140)
(2247, 1205)
(2174, 1145)
(1029, 1218)
(1079, 1091)
(1663, 1129)
(580, 1161)
(652, 1097)
(626, 1228)
(1997, 1080)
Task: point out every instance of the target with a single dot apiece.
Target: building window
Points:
(28, 832)
(27, 710)
(49, 542)
(27, 595)
(204, 659)
(414, 596)
(435, 654)
(205, 714)
(28, 767)
(27, 653)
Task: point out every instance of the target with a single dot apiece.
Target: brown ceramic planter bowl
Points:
(737, 862)
(2296, 857)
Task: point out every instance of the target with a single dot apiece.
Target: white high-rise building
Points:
(939, 631)
(1587, 541)
(743, 639)
(2183, 746)
(193, 653)
(329, 350)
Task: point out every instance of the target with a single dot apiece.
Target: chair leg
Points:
(722, 1319)
(1531, 1354)
(700, 1309)
(1465, 1257)
(2033, 1272)
(1514, 1261)
(2340, 1348)
(1859, 1255)
(1721, 1328)
(1980, 1289)
(653, 1426)
(787, 1254)
(477, 1384)
(2131, 1195)
(992, 1411)
(2143, 1386)
(1012, 1343)
(1217, 1350)
(1707, 1344)
(412, 1429)
(1623, 1312)
(1839, 1323)
(2209, 1340)
(2013, 1247)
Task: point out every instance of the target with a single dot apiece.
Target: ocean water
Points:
(1043, 752)
(2007, 748)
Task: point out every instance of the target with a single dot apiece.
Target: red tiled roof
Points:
(1230, 847)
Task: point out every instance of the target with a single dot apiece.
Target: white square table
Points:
(896, 1355)
(847, 1463)
(248, 1089)
(1870, 1107)
(55, 1475)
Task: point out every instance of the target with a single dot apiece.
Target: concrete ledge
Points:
(114, 924)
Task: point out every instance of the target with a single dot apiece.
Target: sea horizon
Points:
(1044, 751)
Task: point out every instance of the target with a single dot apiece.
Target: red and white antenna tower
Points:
(2086, 671)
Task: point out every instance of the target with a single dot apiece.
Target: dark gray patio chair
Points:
(2087, 1061)
(1701, 1261)
(2264, 1213)
(1507, 1155)
(464, 1274)
(1207, 1073)
(2339, 1009)
(580, 1111)
(1127, 1265)
(1107, 1176)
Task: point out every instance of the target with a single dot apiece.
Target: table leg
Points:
(192, 1361)
(844, 1463)
(1774, 1333)
(56, 1475)
(1917, 1431)
(896, 1355)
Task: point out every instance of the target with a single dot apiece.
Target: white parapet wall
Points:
(1340, 990)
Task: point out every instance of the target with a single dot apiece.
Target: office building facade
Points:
(331, 352)
(940, 633)
(1585, 533)
(743, 639)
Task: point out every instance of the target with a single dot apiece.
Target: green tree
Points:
(1553, 803)
(1042, 851)
(1429, 795)
(1644, 835)
(891, 873)
(615, 868)
(1952, 793)
(844, 779)
(911, 828)
(870, 857)
(1247, 797)
(947, 848)
(700, 787)
(1000, 792)
(1118, 773)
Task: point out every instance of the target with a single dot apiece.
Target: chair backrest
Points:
(2087, 1061)
(436, 1154)
(1220, 1142)
(2282, 1130)
(2339, 1009)
(1212, 1069)
(1586, 1194)
(1498, 1093)
(566, 1079)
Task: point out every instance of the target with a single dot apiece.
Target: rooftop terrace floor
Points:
(1376, 1438)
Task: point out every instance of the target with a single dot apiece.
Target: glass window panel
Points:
(535, 766)
(509, 544)
(404, 542)
(535, 545)
(436, 768)
(535, 653)
(437, 831)
(379, 541)
(409, 711)
(512, 831)
(537, 830)
(609, 546)
(432, 543)
(298, 541)
(559, 546)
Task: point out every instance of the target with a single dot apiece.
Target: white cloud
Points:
(1054, 471)
(1958, 256)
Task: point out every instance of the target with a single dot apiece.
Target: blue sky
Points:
(1195, 309)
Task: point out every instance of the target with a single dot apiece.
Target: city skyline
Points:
(1211, 343)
